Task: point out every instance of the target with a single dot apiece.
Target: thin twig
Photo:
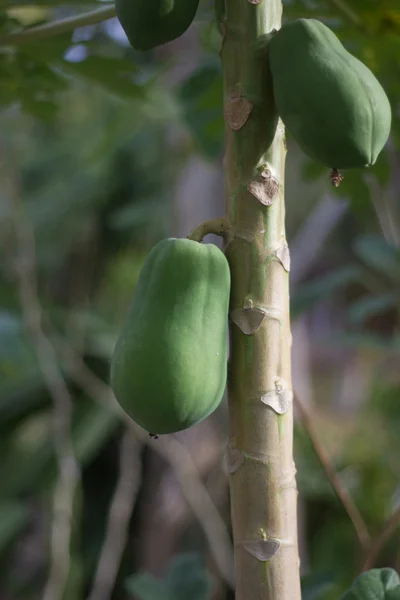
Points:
(68, 468)
(337, 484)
(200, 502)
(350, 15)
(384, 198)
(388, 530)
(118, 519)
(40, 32)
(171, 449)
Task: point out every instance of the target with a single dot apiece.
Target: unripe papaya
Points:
(330, 102)
(151, 23)
(169, 366)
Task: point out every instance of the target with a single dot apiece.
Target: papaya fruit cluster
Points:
(169, 366)
(330, 102)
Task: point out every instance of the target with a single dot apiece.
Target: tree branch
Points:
(388, 530)
(350, 15)
(172, 450)
(32, 34)
(337, 484)
(118, 519)
(200, 502)
(68, 468)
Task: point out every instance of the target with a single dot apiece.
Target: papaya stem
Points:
(32, 34)
(260, 449)
(218, 226)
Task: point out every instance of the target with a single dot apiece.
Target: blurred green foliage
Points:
(376, 583)
(186, 577)
(94, 138)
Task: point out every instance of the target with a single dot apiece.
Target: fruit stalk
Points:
(259, 454)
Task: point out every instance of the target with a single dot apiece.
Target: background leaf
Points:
(376, 584)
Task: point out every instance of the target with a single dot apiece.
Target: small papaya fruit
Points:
(329, 101)
(151, 23)
(169, 366)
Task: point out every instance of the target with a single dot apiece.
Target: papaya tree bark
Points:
(259, 453)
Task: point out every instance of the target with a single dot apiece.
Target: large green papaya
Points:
(169, 366)
(330, 102)
(151, 23)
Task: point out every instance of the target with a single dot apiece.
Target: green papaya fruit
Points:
(329, 101)
(169, 366)
(151, 23)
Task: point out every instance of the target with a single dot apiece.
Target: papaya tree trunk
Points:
(259, 454)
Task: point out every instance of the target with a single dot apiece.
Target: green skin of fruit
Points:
(329, 101)
(169, 366)
(151, 23)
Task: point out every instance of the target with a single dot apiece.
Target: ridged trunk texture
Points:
(262, 471)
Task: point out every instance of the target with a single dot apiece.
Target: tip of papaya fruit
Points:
(336, 177)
